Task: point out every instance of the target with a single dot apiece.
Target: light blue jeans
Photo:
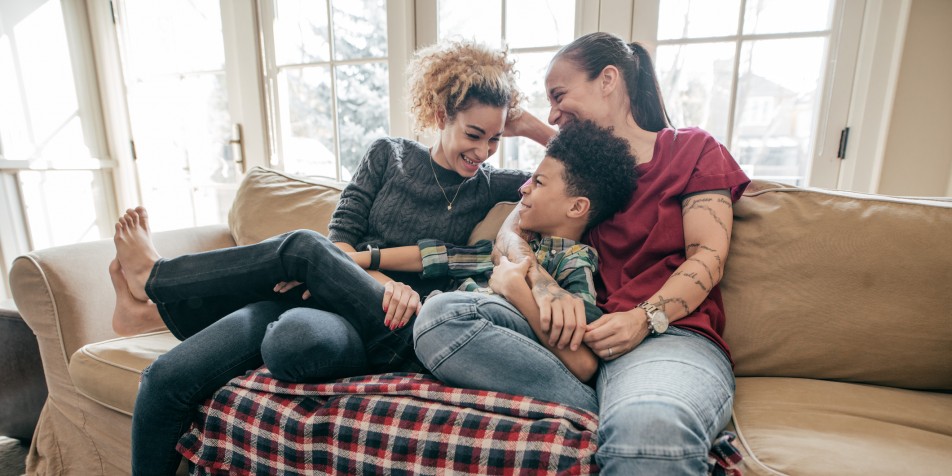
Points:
(480, 341)
(662, 405)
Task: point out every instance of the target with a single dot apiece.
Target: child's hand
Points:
(508, 276)
(285, 286)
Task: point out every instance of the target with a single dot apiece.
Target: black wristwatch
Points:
(374, 257)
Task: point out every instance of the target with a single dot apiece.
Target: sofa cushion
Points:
(108, 372)
(269, 202)
(804, 426)
(840, 286)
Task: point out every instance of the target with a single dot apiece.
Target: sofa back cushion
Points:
(840, 286)
(269, 202)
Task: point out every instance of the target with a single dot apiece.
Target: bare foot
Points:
(134, 250)
(131, 316)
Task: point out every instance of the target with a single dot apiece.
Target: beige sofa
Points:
(839, 317)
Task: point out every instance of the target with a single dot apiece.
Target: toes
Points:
(115, 274)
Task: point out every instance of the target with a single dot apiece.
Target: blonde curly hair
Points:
(448, 76)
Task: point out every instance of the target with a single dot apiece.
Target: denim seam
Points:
(669, 394)
(471, 310)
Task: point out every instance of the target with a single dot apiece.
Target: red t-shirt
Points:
(643, 244)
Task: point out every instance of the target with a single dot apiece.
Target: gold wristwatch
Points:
(657, 319)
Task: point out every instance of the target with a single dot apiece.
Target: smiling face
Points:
(572, 96)
(547, 208)
(470, 138)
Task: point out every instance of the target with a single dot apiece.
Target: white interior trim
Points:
(824, 167)
(401, 39)
(874, 90)
(243, 73)
(112, 92)
(614, 16)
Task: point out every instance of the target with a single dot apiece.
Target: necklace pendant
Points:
(449, 207)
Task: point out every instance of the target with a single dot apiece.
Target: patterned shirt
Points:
(571, 264)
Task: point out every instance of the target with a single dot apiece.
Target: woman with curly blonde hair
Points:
(231, 317)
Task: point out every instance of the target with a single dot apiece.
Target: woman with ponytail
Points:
(664, 392)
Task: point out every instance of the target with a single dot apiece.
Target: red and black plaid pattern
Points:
(397, 423)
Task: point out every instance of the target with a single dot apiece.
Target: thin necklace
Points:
(449, 203)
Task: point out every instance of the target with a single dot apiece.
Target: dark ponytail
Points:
(594, 51)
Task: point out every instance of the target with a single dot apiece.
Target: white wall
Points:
(918, 154)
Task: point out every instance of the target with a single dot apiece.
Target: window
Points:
(754, 73)
(54, 169)
(173, 58)
(328, 82)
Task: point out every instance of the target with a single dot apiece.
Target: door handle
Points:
(237, 144)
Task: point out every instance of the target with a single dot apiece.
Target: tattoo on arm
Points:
(693, 277)
(662, 302)
(698, 246)
(702, 204)
(706, 268)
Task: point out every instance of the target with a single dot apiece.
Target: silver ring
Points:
(610, 352)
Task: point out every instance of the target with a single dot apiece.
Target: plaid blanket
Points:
(398, 423)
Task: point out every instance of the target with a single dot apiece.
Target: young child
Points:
(586, 176)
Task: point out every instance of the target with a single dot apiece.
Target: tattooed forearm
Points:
(546, 286)
(695, 247)
(693, 277)
(706, 268)
(662, 302)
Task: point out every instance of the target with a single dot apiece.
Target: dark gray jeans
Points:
(222, 305)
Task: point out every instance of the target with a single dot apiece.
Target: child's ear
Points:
(580, 207)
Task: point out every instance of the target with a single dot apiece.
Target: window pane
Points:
(518, 152)
(307, 124)
(696, 83)
(360, 29)
(462, 20)
(61, 206)
(181, 127)
(363, 111)
(697, 19)
(172, 36)
(539, 22)
(39, 110)
(782, 16)
(300, 32)
(777, 100)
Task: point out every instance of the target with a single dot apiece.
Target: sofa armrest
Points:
(66, 297)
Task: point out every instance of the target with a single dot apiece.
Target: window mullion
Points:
(732, 103)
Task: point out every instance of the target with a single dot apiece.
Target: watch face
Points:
(659, 322)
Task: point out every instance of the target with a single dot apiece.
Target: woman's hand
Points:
(617, 333)
(508, 276)
(526, 125)
(400, 302)
(285, 286)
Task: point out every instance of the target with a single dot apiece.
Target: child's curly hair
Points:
(448, 76)
(598, 165)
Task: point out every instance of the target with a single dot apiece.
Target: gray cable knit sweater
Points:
(393, 200)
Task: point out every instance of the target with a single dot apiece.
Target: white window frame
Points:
(400, 46)
(859, 89)
(15, 237)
